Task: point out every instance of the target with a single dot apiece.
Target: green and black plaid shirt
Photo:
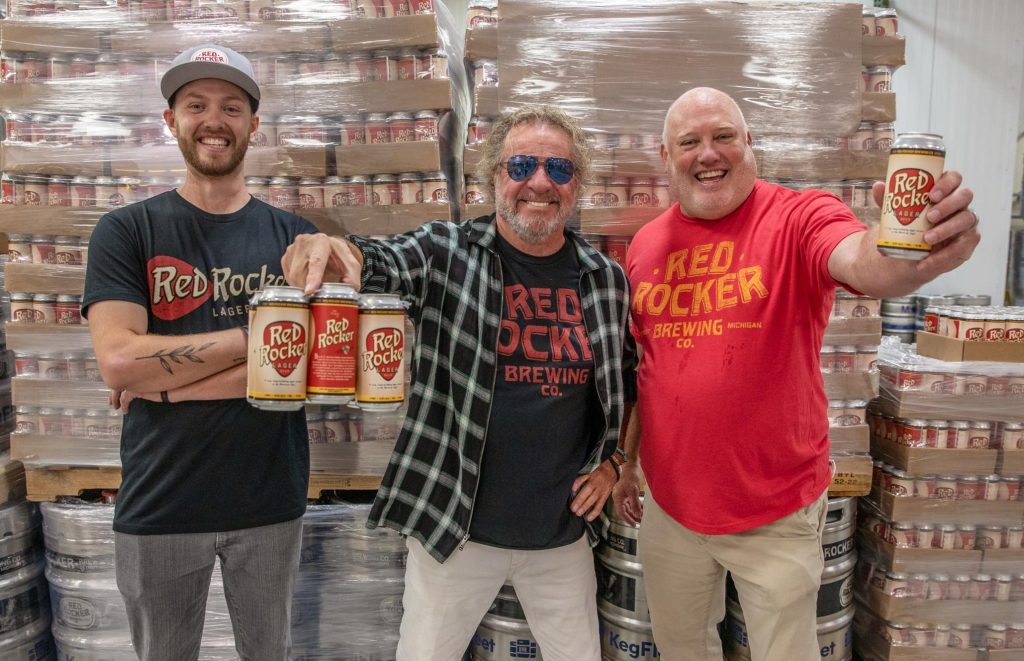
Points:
(451, 276)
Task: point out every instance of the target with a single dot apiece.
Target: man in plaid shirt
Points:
(522, 366)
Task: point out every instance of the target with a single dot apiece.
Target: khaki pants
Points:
(444, 603)
(777, 571)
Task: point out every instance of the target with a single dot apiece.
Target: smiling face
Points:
(707, 154)
(533, 212)
(212, 120)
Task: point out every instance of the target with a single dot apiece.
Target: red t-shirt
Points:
(729, 315)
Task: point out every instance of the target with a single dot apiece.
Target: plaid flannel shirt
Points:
(451, 276)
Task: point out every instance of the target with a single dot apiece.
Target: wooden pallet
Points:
(48, 484)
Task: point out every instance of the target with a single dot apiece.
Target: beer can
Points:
(916, 161)
(380, 380)
(333, 319)
(278, 351)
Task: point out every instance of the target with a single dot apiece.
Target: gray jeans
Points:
(165, 579)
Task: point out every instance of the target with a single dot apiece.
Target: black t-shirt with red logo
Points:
(544, 415)
(199, 466)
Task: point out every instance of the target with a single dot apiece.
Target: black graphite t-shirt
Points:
(545, 413)
(199, 466)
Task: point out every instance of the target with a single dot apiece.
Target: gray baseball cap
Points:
(210, 61)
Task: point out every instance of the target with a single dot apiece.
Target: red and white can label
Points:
(278, 352)
(381, 377)
(332, 357)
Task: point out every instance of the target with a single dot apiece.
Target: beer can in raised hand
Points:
(278, 349)
(333, 319)
(380, 382)
(916, 161)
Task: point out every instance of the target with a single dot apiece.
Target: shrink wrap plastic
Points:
(941, 537)
(347, 602)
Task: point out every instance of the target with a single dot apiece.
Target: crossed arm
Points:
(136, 364)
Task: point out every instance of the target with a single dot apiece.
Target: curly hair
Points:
(494, 146)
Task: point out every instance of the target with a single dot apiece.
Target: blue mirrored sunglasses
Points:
(521, 167)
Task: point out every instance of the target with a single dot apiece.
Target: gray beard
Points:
(531, 234)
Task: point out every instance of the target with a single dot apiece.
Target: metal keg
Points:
(972, 299)
(503, 639)
(33, 643)
(620, 587)
(835, 635)
(18, 517)
(836, 592)
(625, 638)
(837, 540)
(899, 306)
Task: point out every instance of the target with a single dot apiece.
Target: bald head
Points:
(708, 154)
(698, 99)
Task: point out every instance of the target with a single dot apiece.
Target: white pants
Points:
(444, 603)
(777, 571)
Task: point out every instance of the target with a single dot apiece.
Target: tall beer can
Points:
(380, 381)
(333, 319)
(916, 161)
(278, 349)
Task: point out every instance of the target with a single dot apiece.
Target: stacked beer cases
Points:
(942, 535)
(820, 114)
(356, 115)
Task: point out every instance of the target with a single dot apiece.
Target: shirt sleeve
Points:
(401, 264)
(827, 221)
(114, 271)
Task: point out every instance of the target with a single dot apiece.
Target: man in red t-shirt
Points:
(732, 289)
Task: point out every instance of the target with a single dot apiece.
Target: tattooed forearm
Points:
(187, 352)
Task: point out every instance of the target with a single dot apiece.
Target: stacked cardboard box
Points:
(356, 114)
(942, 534)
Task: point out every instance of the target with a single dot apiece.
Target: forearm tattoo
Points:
(178, 355)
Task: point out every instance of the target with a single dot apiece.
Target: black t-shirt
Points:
(199, 466)
(544, 414)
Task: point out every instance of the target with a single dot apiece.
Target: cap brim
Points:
(183, 74)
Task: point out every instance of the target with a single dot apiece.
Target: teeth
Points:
(710, 174)
(536, 204)
(218, 142)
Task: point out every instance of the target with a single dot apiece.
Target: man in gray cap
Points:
(204, 474)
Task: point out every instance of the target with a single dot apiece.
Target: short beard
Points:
(529, 234)
(189, 151)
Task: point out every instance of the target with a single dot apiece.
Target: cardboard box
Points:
(80, 96)
(888, 51)
(418, 30)
(48, 37)
(386, 220)
(852, 477)
(486, 102)
(853, 439)
(22, 158)
(929, 560)
(54, 221)
(482, 43)
(616, 221)
(345, 98)
(949, 407)
(44, 278)
(935, 461)
(906, 609)
(850, 385)
(878, 107)
(1002, 561)
(619, 85)
(953, 350)
(864, 164)
(166, 160)
(858, 331)
(1011, 462)
(976, 512)
(58, 393)
(393, 158)
(871, 646)
(169, 39)
(40, 338)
